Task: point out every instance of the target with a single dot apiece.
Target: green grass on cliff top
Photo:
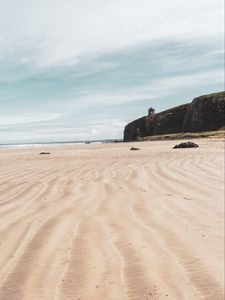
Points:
(188, 135)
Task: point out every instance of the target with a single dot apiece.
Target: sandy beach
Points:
(103, 222)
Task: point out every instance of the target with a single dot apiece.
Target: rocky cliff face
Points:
(204, 113)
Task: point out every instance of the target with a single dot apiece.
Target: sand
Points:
(104, 222)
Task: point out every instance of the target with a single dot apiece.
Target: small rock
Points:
(186, 145)
(44, 153)
(134, 148)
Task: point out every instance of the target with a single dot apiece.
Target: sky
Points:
(75, 70)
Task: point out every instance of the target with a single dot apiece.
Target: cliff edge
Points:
(204, 113)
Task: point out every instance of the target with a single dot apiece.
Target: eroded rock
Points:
(186, 145)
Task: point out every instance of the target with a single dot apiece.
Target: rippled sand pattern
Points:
(103, 222)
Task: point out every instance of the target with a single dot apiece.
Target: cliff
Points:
(204, 113)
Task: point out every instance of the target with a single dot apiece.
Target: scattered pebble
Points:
(44, 153)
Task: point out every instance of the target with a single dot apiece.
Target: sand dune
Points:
(103, 222)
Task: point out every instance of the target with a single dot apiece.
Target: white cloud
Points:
(102, 129)
(6, 120)
(51, 33)
(152, 90)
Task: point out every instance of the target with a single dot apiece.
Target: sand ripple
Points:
(103, 222)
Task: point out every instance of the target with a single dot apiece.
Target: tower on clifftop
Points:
(151, 111)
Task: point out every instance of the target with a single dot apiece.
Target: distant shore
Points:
(47, 144)
(176, 136)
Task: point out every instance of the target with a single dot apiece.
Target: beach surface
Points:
(103, 222)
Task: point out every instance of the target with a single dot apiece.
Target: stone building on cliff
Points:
(204, 113)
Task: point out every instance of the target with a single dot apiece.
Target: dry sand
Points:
(103, 222)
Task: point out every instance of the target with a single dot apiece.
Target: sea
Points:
(46, 144)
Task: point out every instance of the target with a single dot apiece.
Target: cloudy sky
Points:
(82, 69)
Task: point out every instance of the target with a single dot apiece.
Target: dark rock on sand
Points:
(44, 153)
(186, 145)
(134, 148)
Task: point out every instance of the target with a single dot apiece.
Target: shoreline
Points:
(219, 134)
